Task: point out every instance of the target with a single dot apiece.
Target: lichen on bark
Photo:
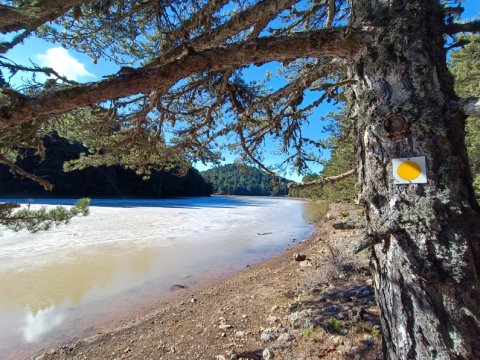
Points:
(426, 270)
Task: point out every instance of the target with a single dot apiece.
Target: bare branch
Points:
(323, 181)
(15, 168)
(473, 26)
(5, 46)
(13, 67)
(366, 242)
(331, 12)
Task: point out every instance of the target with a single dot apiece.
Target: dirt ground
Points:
(320, 307)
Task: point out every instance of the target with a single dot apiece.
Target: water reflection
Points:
(118, 259)
(53, 284)
(40, 322)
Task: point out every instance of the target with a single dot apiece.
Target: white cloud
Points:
(63, 63)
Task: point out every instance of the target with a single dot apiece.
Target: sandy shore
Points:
(321, 307)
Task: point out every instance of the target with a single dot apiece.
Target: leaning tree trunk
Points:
(426, 262)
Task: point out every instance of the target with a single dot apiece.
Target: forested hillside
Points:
(235, 179)
(93, 181)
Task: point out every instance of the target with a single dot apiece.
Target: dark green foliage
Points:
(342, 160)
(233, 179)
(81, 207)
(41, 219)
(98, 181)
(465, 66)
(141, 149)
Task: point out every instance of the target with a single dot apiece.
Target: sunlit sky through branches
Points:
(81, 68)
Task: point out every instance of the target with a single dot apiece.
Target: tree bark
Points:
(31, 17)
(426, 263)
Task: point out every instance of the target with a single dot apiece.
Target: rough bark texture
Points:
(426, 265)
(30, 17)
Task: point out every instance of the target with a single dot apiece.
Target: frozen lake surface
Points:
(64, 283)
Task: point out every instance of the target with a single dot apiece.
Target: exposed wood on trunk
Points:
(471, 107)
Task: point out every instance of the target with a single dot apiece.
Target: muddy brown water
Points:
(126, 257)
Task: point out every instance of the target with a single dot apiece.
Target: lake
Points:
(129, 256)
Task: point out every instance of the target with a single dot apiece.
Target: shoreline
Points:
(122, 262)
(273, 308)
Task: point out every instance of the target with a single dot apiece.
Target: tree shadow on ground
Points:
(347, 313)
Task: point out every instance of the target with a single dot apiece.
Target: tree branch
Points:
(473, 26)
(14, 68)
(31, 17)
(197, 19)
(299, 84)
(331, 13)
(5, 46)
(323, 181)
(15, 168)
(337, 42)
(367, 241)
(239, 22)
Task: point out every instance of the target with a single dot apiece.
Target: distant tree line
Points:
(234, 179)
(100, 181)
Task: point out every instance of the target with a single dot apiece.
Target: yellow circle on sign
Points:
(409, 170)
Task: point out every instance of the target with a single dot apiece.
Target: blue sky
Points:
(81, 68)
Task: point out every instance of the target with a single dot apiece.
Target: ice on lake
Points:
(127, 253)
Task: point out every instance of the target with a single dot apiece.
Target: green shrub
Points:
(308, 332)
(335, 324)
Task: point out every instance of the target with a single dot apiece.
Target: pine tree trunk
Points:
(426, 266)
